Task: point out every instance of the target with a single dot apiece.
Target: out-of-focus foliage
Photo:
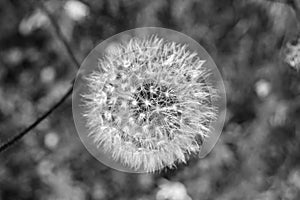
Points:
(257, 156)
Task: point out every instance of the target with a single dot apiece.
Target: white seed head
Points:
(155, 102)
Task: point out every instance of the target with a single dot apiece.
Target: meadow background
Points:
(258, 154)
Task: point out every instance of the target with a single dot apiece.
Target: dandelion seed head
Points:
(148, 103)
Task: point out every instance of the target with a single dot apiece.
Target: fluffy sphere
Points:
(149, 103)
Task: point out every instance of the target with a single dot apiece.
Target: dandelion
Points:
(157, 109)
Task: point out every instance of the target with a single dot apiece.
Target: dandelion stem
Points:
(20, 135)
(60, 37)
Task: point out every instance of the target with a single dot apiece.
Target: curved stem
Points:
(60, 36)
(17, 137)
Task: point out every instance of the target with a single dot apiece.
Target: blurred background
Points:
(258, 154)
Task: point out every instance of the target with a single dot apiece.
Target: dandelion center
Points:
(154, 99)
